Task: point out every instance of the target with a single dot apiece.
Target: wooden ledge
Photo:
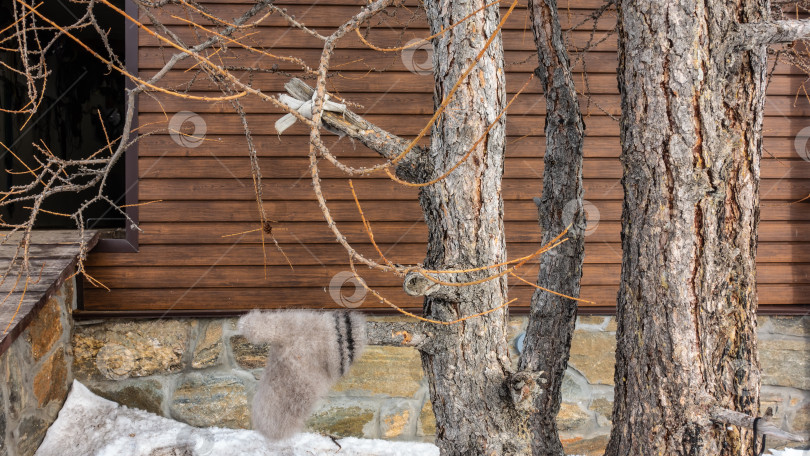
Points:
(53, 256)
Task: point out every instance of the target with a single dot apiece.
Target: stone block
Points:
(211, 400)
(144, 395)
(208, 351)
(45, 329)
(12, 375)
(118, 350)
(390, 371)
(572, 418)
(341, 421)
(593, 354)
(574, 386)
(29, 434)
(427, 420)
(586, 447)
(2, 419)
(788, 325)
(800, 422)
(247, 355)
(604, 409)
(785, 362)
(592, 321)
(51, 381)
(394, 419)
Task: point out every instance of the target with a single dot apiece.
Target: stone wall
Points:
(35, 375)
(201, 372)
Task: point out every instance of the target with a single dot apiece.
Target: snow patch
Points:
(789, 452)
(89, 425)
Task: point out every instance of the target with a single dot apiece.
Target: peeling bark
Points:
(691, 132)
(551, 326)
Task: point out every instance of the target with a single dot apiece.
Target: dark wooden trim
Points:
(130, 242)
(796, 310)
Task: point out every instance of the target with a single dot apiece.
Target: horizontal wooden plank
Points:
(282, 191)
(295, 168)
(393, 232)
(400, 103)
(41, 275)
(333, 16)
(280, 298)
(312, 254)
(422, 104)
(320, 276)
(352, 60)
(7, 252)
(291, 38)
(303, 254)
(564, 4)
(304, 211)
(355, 60)
(406, 82)
(49, 237)
(611, 210)
(217, 124)
(294, 146)
(163, 145)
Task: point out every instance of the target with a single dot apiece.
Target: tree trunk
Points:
(691, 129)
(468, 363)
(548, 335)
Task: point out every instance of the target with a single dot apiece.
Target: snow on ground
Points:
(89, 425)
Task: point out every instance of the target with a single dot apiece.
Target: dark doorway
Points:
(80, 94)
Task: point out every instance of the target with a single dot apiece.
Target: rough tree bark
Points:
(468, 363)
(692, 83)
(548, 335)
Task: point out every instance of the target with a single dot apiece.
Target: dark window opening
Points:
(78, 88)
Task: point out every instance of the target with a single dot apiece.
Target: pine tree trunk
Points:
(691, 134)
(548, 335)
(468, 363)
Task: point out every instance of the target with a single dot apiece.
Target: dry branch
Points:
(770, 32)
(723, 415)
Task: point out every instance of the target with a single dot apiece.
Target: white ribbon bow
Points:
(304, 108)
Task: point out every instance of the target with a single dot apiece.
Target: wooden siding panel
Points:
(201, 249)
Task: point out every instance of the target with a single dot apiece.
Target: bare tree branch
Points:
(375, 138)
(723, 415)
(755, 34)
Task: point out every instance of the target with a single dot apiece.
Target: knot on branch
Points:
(304, 107)
(398, 334)
(524, 388)
(416, 284)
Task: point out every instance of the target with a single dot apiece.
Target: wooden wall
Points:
(186, 261)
